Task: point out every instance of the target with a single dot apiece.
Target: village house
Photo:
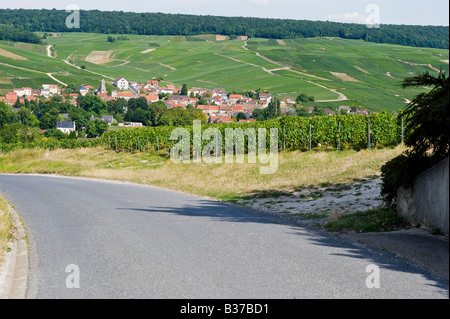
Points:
(168, 89)
(26, 91)
(175, 104)
(195, 92)
(214, 119)
(226, 110)
(130, 124)
(66, 127)
(123, 95)
(151, 84)
(83, 90)
(105, 118)
(360, 111)
(50, 88)
(265, 98)
(234, 98)
(246, 100)
(219, 93)
(108, 119)
(209, 109)
(151, 98)
(180, 99)
(287, 101)
(10, 98)
(121, 83)
(344, 109)
(193, 101)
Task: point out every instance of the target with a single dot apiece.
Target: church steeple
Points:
(102, 89)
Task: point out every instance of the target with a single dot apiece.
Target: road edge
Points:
(14, 273)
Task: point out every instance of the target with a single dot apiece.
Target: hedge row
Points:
(50, 145)
(344, 131)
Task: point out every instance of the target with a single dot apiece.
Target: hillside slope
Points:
(336, 71)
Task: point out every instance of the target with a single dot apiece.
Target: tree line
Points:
(32, 116)
(9, 33)
(119, 22)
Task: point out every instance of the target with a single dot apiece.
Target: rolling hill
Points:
(335, 71)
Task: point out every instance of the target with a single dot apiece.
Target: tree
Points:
(427, 118)
(49, 119)
(241, 116)
(274, 109)
(80, 117)
(271, 110)
(260, 114)
(176, 117)
(304, 98)
(24, 115)
(6, 114)
(12, 133)
(91, 103)
(96, 128)
(184, 90)
(157, 109)
(198, 115)
(140, 103)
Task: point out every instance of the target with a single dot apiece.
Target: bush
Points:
(427, 119)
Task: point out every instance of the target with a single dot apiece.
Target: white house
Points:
(26, 91)
(65, 126)
(121, 83)
(83, 90)
(51, 88)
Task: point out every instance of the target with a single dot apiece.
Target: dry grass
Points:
(5, 227)
(344, 77)
(100, 57)
(296, 170)
(11, 55)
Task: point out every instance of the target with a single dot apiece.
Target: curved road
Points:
(97, 239)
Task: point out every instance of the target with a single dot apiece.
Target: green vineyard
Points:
(294, 133)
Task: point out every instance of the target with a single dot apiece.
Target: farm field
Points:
(335, 71)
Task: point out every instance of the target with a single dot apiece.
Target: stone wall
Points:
(426, 202)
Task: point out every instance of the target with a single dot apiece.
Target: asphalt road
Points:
(96, 239)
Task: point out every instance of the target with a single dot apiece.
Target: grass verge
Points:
(6, 225)
(228, 182)
(376, 220)
(225, 182)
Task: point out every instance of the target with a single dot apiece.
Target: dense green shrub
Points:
(427, 137)
(385, 130)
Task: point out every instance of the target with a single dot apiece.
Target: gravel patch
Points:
(360, 196)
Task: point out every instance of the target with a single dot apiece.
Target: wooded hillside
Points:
(96, 21)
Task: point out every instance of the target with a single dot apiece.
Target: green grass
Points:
(377, 220)
(366, 62)
(203, 62)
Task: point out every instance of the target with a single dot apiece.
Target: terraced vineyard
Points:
(335, 71)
